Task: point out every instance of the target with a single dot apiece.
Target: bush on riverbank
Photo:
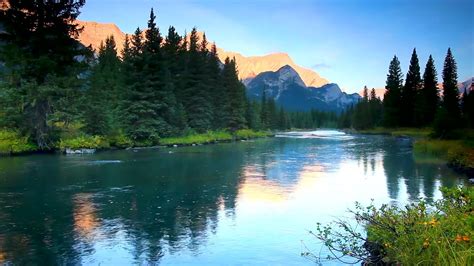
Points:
(439, 233)
(458, 153)
(84, 142)
(208, 137)
(12, 142)
(398, 132)
(250, 134)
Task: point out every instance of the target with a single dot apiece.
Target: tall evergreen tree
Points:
(235, 108)
(448, 117)
(42, 71)
(410, 91)
(392, 98)
(196, 97)
(101, 107)
(450, 89)
(429, 94)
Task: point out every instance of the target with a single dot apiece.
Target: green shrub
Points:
(249, 134)
(439, 233)
(84, 142)
(12, 142)
(209, 137)
(459, 153)
(120, 141)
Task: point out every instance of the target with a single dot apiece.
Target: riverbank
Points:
(458, 153)
(422, 233)
(12, 143)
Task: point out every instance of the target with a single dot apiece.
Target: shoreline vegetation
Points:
(13, 143)
(421, 233)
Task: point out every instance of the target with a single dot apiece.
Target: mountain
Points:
(466, 85)
(249, 67)
(288, 89)
(94, 33)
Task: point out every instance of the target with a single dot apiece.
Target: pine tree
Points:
(429, 94)
(392, 98)
(235, 90)
(264, 119)
(450, 89)
(410, 91)
(448, 117)
(39, 55)
(196, 98)
(139, 109)
(100, 110)
(216, 88)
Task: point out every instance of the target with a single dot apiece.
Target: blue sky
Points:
(349, 42)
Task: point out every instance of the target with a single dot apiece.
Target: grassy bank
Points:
(12, 142)
(458, 153)
(214, 136)
(439, 233)
(398, 132)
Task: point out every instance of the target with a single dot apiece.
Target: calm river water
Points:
(244, 203)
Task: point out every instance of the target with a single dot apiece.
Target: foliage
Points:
(84, 142)
(250, 134)
(423, 233)
(208, 137)
(458, 153)
(12, 142)
(393, 95)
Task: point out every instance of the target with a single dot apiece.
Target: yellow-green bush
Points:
(120, 141)
(439, 233)
(84, 142)
(459, 153)
(249, 134)
(209, 137)
(12, 142)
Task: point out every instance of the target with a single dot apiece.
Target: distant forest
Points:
(417, 102)
(53, 88)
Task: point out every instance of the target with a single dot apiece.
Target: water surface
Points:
(244, 203)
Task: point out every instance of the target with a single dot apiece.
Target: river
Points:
(243, 203)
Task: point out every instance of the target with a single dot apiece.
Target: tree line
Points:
(416, 102)
(53, 87)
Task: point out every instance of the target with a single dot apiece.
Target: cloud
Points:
(320, 66)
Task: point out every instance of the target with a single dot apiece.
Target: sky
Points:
(348, 42)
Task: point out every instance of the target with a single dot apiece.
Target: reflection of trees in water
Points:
(166, 201)
(399, 165)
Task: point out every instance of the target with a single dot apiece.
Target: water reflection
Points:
(241, 203)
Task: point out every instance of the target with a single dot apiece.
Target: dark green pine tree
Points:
(272, 114)
(138, 107)
(101, 107)
(448, 117)
(410, 91)
(252, 115)
(375, 109)
(161, 94)
(392, 98)
(235, 94)
(470, 105)
(216, 88)
(429, 100)
(264, 119)
(196, 98)
(450, 86)
(40, 67)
